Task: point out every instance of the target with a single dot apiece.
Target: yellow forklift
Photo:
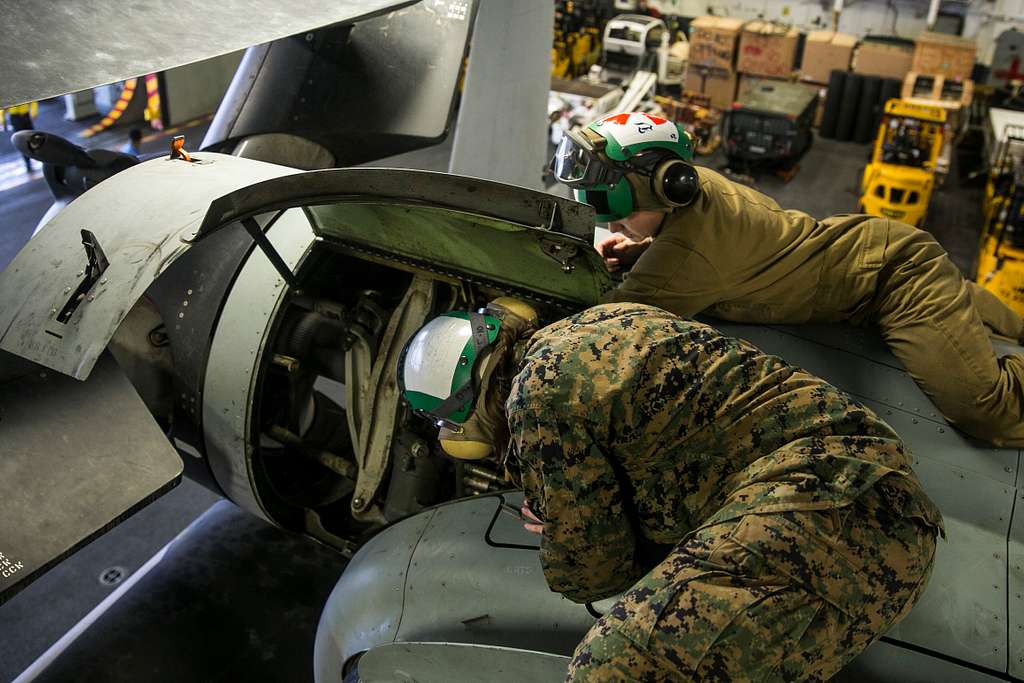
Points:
(1001, 254)
(899, 180)
(577, 41)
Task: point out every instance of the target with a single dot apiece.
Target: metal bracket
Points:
(555, 223)
(259, 235)
(98, 262)
(562, 253)
(178, 149)
(97, 265)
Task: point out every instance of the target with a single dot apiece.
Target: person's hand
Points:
(535, 524)
(620, 252)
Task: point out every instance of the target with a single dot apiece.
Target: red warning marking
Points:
(623, 119)
(620, 119)
(1014, 73)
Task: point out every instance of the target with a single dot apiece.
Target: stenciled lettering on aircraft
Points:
(9, 567)
(519, 570)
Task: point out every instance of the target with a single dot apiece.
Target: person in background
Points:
(20, 117)
(134, 142)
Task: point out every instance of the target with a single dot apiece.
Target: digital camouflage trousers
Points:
(790, 596)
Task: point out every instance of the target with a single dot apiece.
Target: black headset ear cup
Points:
(675, 183)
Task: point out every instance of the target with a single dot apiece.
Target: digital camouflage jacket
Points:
(631, 426)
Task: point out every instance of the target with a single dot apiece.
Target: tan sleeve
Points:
(732, 241)
(671, 276)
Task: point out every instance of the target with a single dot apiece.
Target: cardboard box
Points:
(713, 41)
(767, 49)
(719, 85)
(825, 51)
(882, 59)
(939, 53)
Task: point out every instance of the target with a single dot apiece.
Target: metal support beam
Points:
(500, 133)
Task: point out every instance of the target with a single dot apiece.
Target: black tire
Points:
(890, 90)
(833, 98)
(864, 129)
(848, 107)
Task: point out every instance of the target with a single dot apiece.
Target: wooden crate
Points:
(952, 94)
(938, 53)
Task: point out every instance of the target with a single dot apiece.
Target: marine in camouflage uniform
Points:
(798, 531)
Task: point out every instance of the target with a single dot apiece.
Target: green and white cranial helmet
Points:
(436, 372)
(600, 161)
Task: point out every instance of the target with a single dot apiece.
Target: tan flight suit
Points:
(737, 255)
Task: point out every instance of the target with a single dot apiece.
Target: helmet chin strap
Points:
(487, 423)
(644, 198)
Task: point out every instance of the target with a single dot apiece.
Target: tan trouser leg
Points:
(1002, 319)
(929, 315)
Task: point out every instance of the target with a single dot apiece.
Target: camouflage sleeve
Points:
(588, 546)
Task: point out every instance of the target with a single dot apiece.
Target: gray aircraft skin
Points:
(306, 285)
(240, 321)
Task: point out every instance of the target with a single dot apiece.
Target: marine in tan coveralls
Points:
(730, 251)
(798, 531)
(735, 254)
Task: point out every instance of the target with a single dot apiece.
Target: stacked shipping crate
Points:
(711, 71)
(724, 51)
(941, 75)
(824, 52)
(767, 50)
(883, 59)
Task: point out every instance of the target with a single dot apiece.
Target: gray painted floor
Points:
(39, 615)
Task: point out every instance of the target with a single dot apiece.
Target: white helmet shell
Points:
(637, 127)
(433, 355)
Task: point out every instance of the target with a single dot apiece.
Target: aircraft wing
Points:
(76, 458)
(73, 45)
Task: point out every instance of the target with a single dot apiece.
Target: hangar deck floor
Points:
(163, 639)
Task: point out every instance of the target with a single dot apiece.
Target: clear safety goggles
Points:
(576, 163)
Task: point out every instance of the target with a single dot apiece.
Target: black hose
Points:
(301, 338)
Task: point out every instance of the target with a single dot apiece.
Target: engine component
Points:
(417, 478)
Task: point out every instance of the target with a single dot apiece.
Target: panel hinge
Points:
(560, 252)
